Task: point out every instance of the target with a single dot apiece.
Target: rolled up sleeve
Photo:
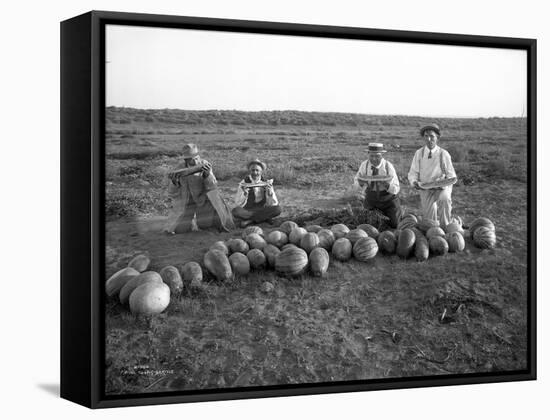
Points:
(414, 171)
(394, 183)
(360, 173)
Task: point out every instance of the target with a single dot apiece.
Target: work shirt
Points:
(384, 168)
(241, 197)
(429, 169)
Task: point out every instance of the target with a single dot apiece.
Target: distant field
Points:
(381, 319)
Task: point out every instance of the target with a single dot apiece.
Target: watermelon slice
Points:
(437, 184)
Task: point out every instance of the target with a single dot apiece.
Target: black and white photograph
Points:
(288, 210)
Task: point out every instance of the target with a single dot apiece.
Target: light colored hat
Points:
(257, 162)
(190, 150)
(433, 127)
(376, 148)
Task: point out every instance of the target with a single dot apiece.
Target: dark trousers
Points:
(256, 214)
(387, 203)
(206, 217)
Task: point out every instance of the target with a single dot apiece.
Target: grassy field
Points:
(363, 320)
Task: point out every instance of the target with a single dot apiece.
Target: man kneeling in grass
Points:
(381, 184)
(255, 200)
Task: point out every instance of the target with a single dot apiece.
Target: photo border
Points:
(83, 197)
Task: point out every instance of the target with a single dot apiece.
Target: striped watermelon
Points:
(292, 261)
(355, 234)
(296, 235)
(257, 259)
(326, 239)
(370, 229)
(485, 237)
(482, 221)
(277, 238)
(365, 249)
(309, 241)
(339, 230)
(425, 224)
(271, 252)
(239, 263)
(455, 241)
(287, 226)
(435, 231)
(252, 229)
(254, 240)
(421, 248)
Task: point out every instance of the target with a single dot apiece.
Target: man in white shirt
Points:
(432, 163)
(255, 204)
(381, 195)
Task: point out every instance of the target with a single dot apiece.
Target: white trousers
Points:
(437, 201)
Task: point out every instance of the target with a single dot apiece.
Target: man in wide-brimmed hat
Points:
(433, 163)
(255, 200)
(377, 175)
(194, 193)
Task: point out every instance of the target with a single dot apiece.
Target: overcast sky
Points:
(197, 70)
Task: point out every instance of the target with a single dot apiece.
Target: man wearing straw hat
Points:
(378, 177)
(194, 193)
(432, 163)
(255, 200)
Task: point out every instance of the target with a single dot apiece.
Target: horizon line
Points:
(320, 112)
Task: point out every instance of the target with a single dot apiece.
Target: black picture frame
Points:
(83, 197)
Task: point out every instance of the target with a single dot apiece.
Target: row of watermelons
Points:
(292, 250)
(148, 292)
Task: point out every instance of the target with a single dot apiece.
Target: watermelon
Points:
(135, 282)
(408, 222)
(454, 227)
(421, 248)
(438, 245)
(271, 252)
(318, 261)
(339, 230)
(192, 274)
(252, 229)
(342, 249)
(237, 245)
(150, 299)
(292, 261)
(287, 226)
(435, 231)
(326, 239)
(257, 259)
(296, 235)
(140, 263)
(482, 221)
(171, 276)
(425, 224)
(118, 280)
(277, 238)
(405, 243)
(455, 241)
(220, 246)
(288, 246)
(309, 241)
(355, 234)
(239, 264)
(370, 230)
(485, 237)
(365, 249)
(217, 264)
(255, 241)
(387, 242)
(313, 228)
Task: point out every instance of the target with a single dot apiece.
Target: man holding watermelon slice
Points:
(433, 175)
(255, 200)
(378, 177)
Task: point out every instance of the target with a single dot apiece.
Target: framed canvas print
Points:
(255, 209)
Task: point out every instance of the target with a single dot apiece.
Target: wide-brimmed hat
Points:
(376, 148)
(190, 150)
(257, 162)
(433, 127)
